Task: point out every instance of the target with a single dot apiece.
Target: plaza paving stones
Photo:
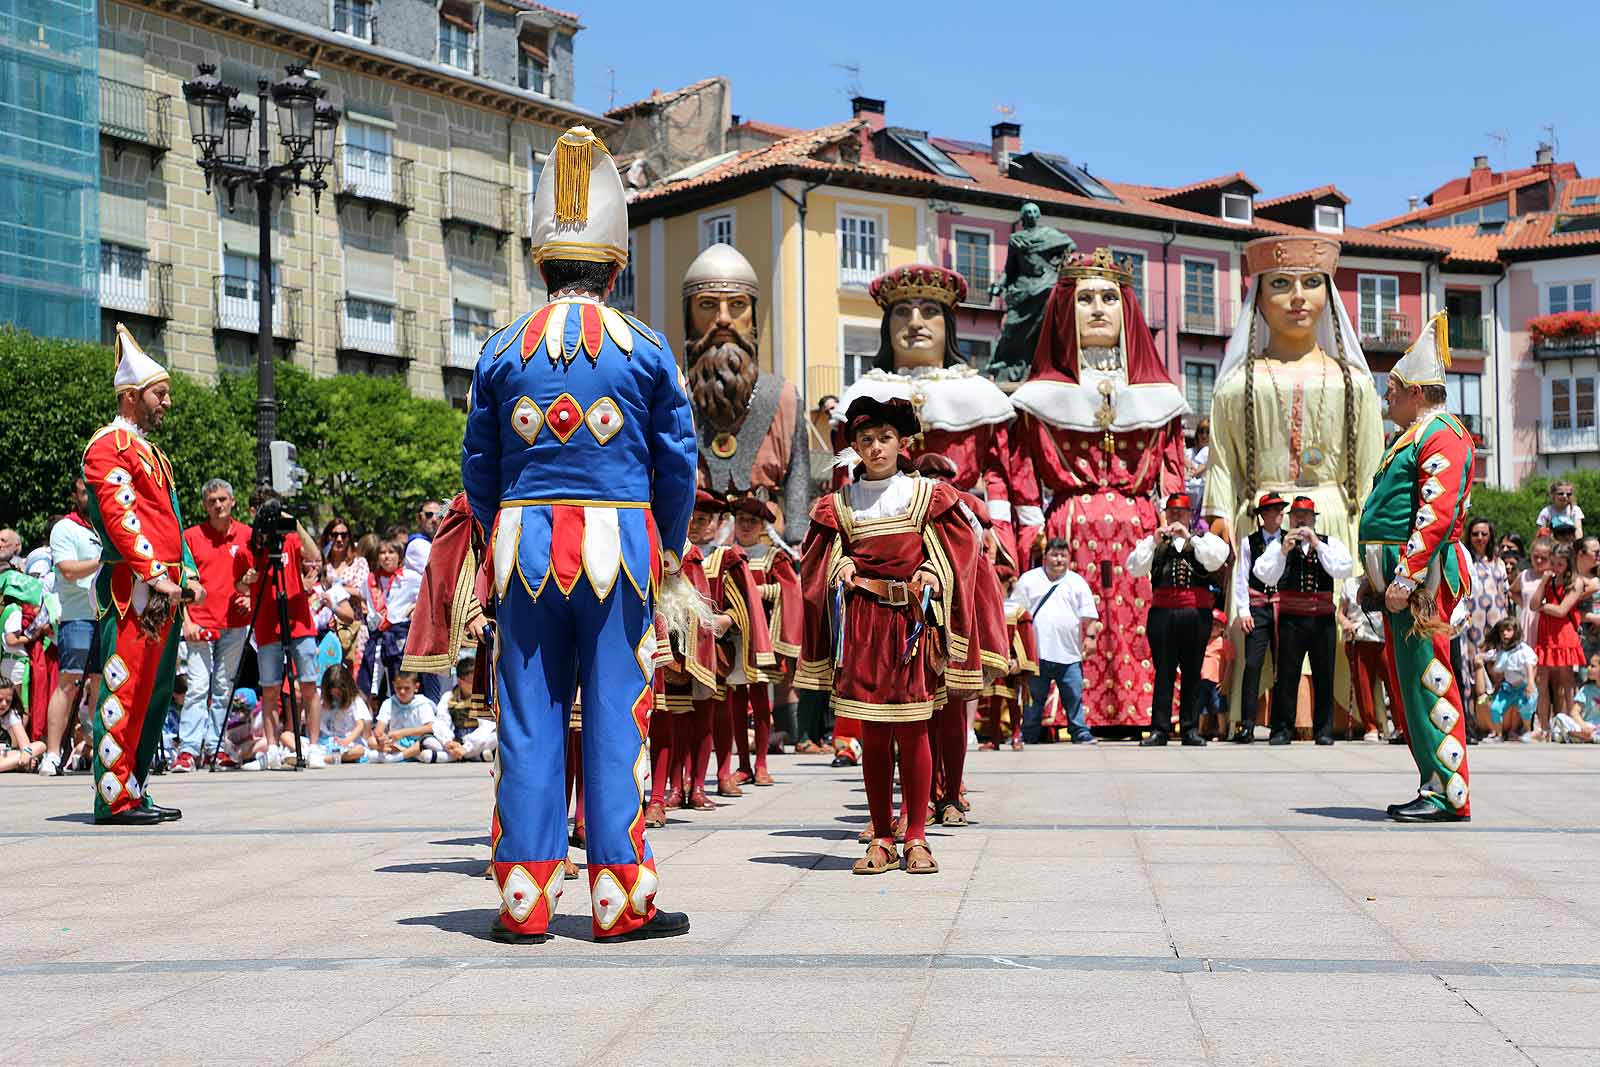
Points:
(1108, 905)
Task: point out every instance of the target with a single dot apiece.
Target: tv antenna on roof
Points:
(1552, 140)
(1501, 138)
(852, 87)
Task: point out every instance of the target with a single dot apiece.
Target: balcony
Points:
(463, 339)
(978, 291)
(1392, 332)
(237, 305)
(133, 116)
(376, 179)
(133, 283)
(376, 328)
(1567, 347)
(478, 206)
(1209, 322)
(1481, 427)
(1470, 335)
(1568, 439)
(858, 270)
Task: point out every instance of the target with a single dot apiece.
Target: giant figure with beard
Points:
(751, 435)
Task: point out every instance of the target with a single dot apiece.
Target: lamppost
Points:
(220, 130)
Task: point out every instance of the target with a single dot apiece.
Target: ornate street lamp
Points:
(221, 132)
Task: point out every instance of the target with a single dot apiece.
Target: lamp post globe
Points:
(296, 99)
(209, 101)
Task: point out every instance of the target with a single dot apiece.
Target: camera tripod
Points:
(272, 578)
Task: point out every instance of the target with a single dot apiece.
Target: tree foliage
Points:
(372, 451)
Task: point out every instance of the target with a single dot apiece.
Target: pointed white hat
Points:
(1425, 361)
(579, 209)
(135, 370)
(721, 268)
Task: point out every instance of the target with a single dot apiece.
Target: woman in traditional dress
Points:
(1102, 427)
(1294, 410)
(887, 570)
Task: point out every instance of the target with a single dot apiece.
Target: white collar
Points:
(952, 399)
(1076, 406)
(128, 426)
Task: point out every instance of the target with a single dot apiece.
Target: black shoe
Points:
(1244, 735)
(1324, 740)
(167, 814)
(1424, 810)
(1155, 740)
(1192, 739)
(498, 931)
(661, 924)
(1280, 739)
(131, 817)
(1398, 739)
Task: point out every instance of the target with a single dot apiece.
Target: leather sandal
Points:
(900, 830)
(763, 777)
(886, 859)
(655, 814)
(698, 801)
(952, 815)
(569, 871)
(988, 746)
(926, 864)
(743, 777)
(727, 787)
(865, 836)
(1016, 746)
(672, 799)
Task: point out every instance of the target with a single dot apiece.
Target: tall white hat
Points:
(135, 370)
(720, 268)
(1425, 361)
(579, 209)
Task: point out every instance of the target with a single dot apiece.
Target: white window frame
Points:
(472, 41)
(375, 179)
(846, 379)
(1336, 225)
(1249, 208)
(986, 236)
(984, 340)
(1141, 281)
(625, 292)
(708, 225)
(376, 336)
(247, 308)
(464, 344)
(1568, 286)
(1216, 291)
(1360, 298)
(861, 277)
(1214, 366)
(371, 14)
(1584, 421)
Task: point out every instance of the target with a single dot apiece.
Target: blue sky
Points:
(1385, 99)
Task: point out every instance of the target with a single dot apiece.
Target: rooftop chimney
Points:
(1412, 202)
(1480, 162)
(866, 107)
(1544, 155)
(1005, 141)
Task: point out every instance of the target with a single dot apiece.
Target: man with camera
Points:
(146, 574)
(1304, 567)
(1182, 566)
(285, 563)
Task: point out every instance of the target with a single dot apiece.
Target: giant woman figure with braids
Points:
(1294, 410)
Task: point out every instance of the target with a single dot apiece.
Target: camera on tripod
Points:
(272, 523)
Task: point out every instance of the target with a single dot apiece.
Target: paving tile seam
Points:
(841, 832)
(1462, 996)
(898, 962)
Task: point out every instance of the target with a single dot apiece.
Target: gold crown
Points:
(1291, 253)
(918, 281)
(1102, 263)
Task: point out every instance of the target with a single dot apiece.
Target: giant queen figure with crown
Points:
(1102, 425)
(579, 462)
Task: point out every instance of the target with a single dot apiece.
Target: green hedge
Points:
(372, 450)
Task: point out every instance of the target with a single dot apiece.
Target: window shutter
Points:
(369, 274)
(471, 289)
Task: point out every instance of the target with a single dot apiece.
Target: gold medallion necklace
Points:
(1310, 455)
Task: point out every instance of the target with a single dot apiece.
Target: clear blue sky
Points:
(1385, 99)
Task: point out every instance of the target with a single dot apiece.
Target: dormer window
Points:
(1236, 207)
(457, 35)
(1330, 219)
(533, 61)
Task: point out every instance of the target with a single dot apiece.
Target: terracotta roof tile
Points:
(1209, 183)
(1572, 190)
(657, 98)
(1447, 207)
(1318, 193)
(771, 129)
(1466, 243)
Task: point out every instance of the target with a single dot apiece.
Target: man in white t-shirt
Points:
(75, 550)
(1065, 619)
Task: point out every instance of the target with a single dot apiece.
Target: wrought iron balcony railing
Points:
(978, 290)
(377, 328)
(859, 269)
(463, 339)
(134, 115)
(1568, 438)
(1566, 347)
(375, 178)
(478, 204)
(237, 306)
(132, 282)
(1390, 332)
(1470, 335)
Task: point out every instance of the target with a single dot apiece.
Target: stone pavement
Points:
(1109, 905)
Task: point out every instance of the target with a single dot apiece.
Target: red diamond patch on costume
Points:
(564, 416)
(527, 419)
(604, 419)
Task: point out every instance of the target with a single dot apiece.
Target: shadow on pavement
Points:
(471, 921)
(1350, 814)
(464, 842)
(81, 817)
(472, 868)
(808, 861)
(823, 833)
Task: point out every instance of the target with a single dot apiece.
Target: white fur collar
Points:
(128, 426)
(952, 399)
(1070, 406)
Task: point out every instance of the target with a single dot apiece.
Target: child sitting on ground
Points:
(406, 726)
(346, 719)
(471, 721)
(17, 753)
(1582, 723)
(1511, 665)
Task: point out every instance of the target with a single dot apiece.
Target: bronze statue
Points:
(1034, 255)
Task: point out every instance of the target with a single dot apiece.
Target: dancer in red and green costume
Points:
(145, 576)
(1411, 529)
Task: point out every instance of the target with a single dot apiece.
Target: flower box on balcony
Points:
(1564, 326)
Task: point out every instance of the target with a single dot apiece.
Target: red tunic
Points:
(778, 579)
(883, 674)
(680, 667)
(1557, 641)
(734, 591)
(1104, 503)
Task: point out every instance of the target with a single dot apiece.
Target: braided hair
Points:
(1250, 465)
(1349, 415)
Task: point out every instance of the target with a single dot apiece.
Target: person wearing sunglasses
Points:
(1563, 505)
(347, 567)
